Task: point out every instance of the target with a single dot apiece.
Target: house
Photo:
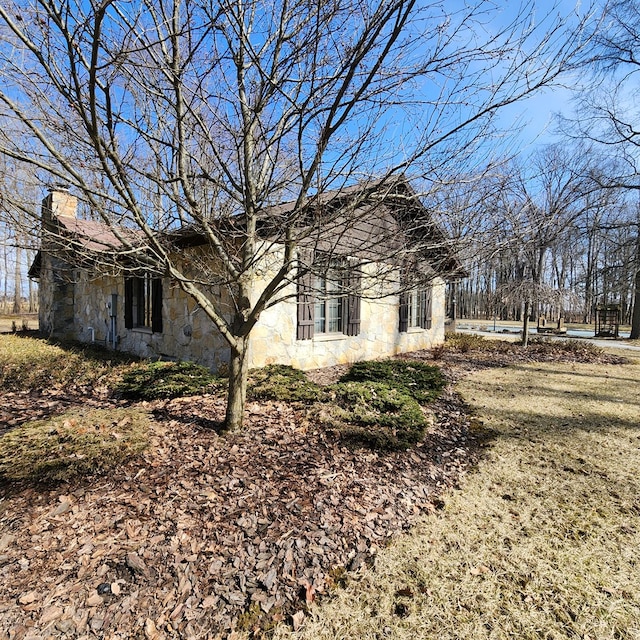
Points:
(352, 310)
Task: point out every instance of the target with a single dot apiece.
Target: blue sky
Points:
(533, 120)
(534, 117)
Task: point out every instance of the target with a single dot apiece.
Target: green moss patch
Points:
(153, 380)
(373, 414)
(75, 443)
(421, 381)
(281, 382)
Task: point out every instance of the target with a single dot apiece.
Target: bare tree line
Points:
(18, 240)
(590, 251)
(552, 230)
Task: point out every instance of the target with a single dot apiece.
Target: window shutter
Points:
(156, 305)
(404, 312)
(422, 308)
(354, 281)
(306, 303)
(427, 307)
(128, 303)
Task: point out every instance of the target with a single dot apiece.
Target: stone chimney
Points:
(59, 202)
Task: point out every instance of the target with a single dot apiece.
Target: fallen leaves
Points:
(28, 598)
(297, 620)
(206, 528)
(479, 570)
(135, 562)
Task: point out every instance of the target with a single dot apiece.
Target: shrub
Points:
(373, 414)
(421, 381)
(153, 380)
(75, 443)
(578, 349)
(465, 342)
(281, 382)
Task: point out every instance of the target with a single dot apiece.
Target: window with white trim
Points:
(329, 305)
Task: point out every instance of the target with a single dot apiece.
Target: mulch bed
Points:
(207, 536)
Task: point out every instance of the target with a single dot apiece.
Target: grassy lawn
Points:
(29, 363)
(19, 322)
(540, 542)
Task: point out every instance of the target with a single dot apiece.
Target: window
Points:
(415, 309)
(327, 304)
(143, 303)
(420, 308)
(328, 308)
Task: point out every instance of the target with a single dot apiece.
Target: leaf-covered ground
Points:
(207, 535)
(204, 527)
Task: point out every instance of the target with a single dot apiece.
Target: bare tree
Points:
(199, 114)
(538, 231)
(608, 113)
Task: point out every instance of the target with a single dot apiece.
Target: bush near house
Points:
(540, 348)
(154, 380)
(465, 342)
(281, 382)
(376, 404)
(421, 381)
(373, 414)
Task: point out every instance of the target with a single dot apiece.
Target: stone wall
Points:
(187, 333)
(76, 307)
(274, 337)
(56, 298)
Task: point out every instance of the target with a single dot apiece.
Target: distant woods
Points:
(19, 201)
(551, 233)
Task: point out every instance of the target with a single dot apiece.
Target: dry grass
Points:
(540, 542)
(34, 363)
(18, 322)
(75, 443)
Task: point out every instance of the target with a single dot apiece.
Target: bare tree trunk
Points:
(635, 318)
(17, 294)
(238, 367)
(525, 323)
(5, 291)
(32, 290)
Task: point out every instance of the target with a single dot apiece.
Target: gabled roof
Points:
(365, 220)
(95, 235)
(84, 240)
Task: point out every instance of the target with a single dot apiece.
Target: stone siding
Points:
(75, 306)
(56, 291)
(273, 340)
